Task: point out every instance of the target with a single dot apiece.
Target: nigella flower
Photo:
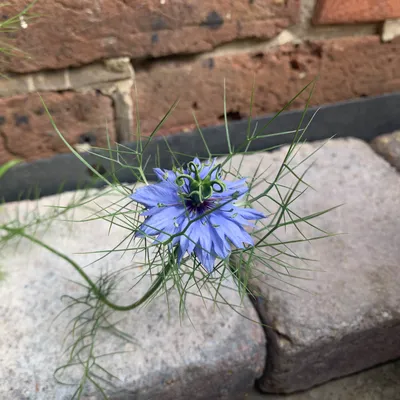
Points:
(198, 210)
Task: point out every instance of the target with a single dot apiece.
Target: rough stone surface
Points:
(111, 70)
(213, 353)
(347, 68)
(26, 131)
(351, 11)
(76, 78)
(379, 383)
(94, 30)
(391, 29)
(343, 313)
(388, 146)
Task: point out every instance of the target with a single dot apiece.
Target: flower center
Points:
(201, 189)
(199, 208)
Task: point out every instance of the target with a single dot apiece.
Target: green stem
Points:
(152, 290)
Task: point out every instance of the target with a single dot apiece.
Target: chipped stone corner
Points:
(388, 147)
(390, 30)
(119, 65)
(120, 93)
(113, 78)
(285, 37)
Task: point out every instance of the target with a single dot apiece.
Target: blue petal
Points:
(204, 167)
(239, 187)
(241, 215)
(151, 211)
(165, 219)
(152, 195)
(238, 219)
(249, 213)
(165, 175)
(170, 230)
(204, 249)
(205, 238)
(229, 229)
(221, 247)
(190, 238)
(206, 259)
(207, 168)
(197, 162)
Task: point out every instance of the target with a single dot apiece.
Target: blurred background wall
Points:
(92, 61)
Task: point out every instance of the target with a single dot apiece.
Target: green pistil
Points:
(201, 189)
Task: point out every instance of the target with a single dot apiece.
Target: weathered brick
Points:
(350, 11)
(26, 131)
(347, 68)
(358, 67)
(93, 76)
(75, 32)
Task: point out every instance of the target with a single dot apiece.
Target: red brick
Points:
(347, 68)
(75, 32)
(350, 11)
(26, 131)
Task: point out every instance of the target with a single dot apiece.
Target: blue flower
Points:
(198, 209)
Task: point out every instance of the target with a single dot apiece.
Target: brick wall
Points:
(86, 57)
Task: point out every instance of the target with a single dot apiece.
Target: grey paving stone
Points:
(343, 315)
(379, 383)
(217, 354)
(388, 146)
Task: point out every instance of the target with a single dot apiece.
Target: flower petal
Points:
(238, 187)
(229, 229)
(241, 215)
(165, 219)
(152, 195)
(191, 237)
(207, 168)
(165, 175)
(206, 259)
(169, 230)
(221, 246)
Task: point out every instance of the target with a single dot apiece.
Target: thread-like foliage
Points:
(160, 261)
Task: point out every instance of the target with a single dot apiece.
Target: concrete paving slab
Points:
(217, 354)
(378, 383)
(343, 316)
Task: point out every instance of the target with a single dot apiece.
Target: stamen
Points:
(201, 189)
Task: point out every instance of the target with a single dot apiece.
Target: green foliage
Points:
(5, 167)
(83, 338)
